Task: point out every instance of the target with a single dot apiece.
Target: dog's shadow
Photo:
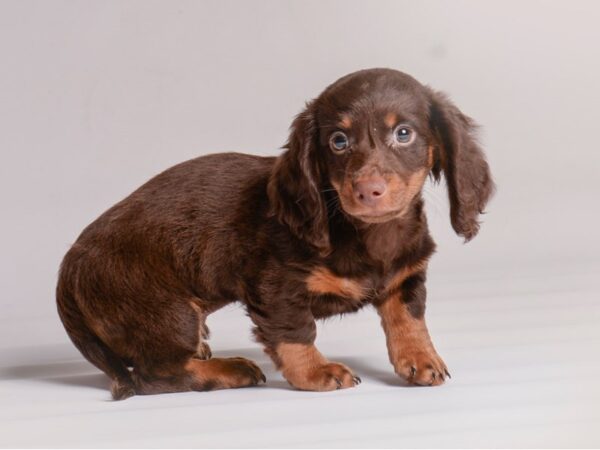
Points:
(74, 373)
(79, 372)
(372, 372)
(358, 366)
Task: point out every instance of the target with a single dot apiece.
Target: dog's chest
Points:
(333, 293)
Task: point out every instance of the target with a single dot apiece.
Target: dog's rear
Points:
(86, 341)
(129, 293)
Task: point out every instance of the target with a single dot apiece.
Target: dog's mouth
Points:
(380, 214)
(379, 217)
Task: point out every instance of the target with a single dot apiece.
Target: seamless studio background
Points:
(97, 97)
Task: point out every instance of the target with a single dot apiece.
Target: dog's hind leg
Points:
(199, 375)
(185, 364)
(202, 349)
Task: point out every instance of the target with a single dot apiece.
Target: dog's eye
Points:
(338, 142)
(403, 134)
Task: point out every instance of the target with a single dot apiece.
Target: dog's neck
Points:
(390, 240)
(385, 242)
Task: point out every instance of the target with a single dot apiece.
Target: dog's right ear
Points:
(294, 188)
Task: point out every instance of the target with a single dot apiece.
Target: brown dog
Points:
(333, 224)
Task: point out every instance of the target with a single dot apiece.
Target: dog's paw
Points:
(224, 373)
(241, 372)
(326, 377)
(423, 367)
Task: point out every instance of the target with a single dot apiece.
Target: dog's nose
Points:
(369, 191)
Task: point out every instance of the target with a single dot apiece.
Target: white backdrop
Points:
(97, 97)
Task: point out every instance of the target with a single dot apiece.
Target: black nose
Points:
(369, 191)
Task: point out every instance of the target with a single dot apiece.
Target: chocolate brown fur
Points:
(293, 238)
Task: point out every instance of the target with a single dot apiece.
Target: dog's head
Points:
(373, 136)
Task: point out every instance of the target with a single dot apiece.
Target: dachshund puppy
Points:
(333, 224)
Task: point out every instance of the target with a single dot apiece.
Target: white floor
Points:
(523, 353)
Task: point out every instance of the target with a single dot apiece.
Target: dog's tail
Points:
(90, 345)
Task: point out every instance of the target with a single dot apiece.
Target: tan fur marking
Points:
(400, 325)
(415, 183)
(407, 271)
(346, 122)
(401, 192)
(223, 373)
(322, 281)
(304, 367)
(297, 362)
(213, 369)
(430, 156)
(390, 119)
(409, 345)
(296, 358)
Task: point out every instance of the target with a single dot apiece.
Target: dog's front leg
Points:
(289, 340)
(304, 367)
(410, 348)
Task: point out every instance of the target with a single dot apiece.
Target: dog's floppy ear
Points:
(463, 163)
(295, 184)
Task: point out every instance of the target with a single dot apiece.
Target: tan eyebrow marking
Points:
(346, 122)
(390, 119)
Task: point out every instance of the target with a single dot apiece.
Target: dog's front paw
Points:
(421, 366)
(325, 377)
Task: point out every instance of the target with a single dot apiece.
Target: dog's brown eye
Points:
(403, 134)
(338, 142)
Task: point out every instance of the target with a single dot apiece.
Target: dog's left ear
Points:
(294, 188)
(463, 163)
